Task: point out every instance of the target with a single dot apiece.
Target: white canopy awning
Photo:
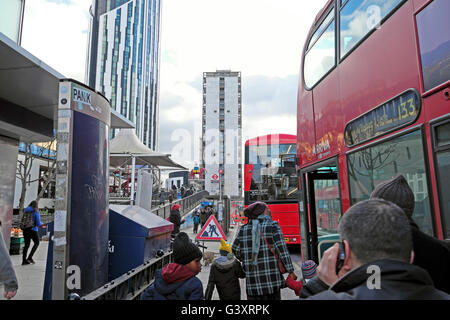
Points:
(126, 145)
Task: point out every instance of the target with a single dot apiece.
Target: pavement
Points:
(31, 277)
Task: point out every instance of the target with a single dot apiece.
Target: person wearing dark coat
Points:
(224, 275)
(203, 217)
(264, 280)
(162, 197)
(196, 220)
(377, 265)
(430, 253)
(177, 280)
(31, 220)
(175, 218)
(399, 281)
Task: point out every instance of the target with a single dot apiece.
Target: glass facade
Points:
(11, 13)
(127, 68)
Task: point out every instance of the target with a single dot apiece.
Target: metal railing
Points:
(131, 285)
(186, 204)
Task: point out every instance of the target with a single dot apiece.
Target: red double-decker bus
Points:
(373, 103)
(270, 176)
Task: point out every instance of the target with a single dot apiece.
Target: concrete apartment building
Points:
(222, 132)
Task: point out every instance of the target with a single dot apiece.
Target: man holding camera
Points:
(374, 262)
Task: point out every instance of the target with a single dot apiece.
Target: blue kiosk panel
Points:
(89, 203)
(135, 236)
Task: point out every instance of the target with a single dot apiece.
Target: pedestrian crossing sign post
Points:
(211, 231)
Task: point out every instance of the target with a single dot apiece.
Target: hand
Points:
(43, 226)
(292, 275)
(10, 294)
(326, 271)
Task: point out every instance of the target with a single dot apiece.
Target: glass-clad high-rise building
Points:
(123, 60)
(11, 19)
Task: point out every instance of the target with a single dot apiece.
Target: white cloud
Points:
(260, 38)
(269, 125)
(56, 33)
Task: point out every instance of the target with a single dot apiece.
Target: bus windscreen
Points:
(273, 175)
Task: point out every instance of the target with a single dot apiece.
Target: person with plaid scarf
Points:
(251, 246)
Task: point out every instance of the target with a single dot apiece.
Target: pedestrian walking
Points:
(196, 220)
(203, 217)
(162, 197)
(7, 275)
(31, 220)
(260, 247)
(430, 253)
(175, 218)
(177, 280)
(224, 275)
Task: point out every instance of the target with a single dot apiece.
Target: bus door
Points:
(322, 202)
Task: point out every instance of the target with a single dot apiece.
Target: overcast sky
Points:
(262, 39)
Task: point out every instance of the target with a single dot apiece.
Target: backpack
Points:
(27, 220)
(196, 219)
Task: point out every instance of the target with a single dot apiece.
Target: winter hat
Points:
(397, 191)
(225, 248)
(309, 268)
(255, 209)
(184, 251)
(175, 207)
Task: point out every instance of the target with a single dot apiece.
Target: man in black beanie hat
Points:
(431, 254)
(177, 280)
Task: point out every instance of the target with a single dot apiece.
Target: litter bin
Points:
(135, 235)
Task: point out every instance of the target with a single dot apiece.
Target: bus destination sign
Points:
(394, 114)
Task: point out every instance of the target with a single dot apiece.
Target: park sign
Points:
(79, 250)
(211, 231)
